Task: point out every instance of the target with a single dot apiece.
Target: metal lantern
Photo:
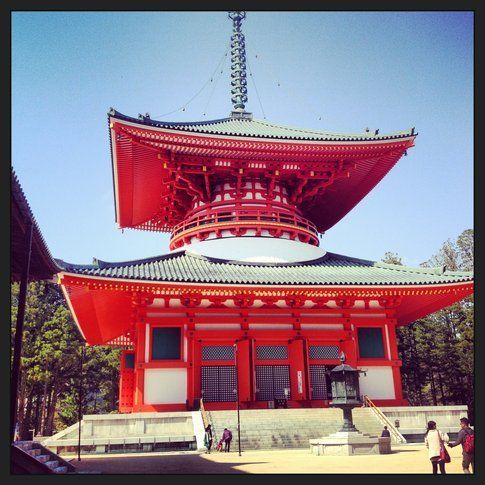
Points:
(345, 385)
(345, 391)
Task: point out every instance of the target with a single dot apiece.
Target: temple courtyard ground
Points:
(409, 458)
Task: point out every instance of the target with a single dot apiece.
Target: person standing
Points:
(208, 438)
(466, 437)
(434, 440)
(385, 433)
(227, 438)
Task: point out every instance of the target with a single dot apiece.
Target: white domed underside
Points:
(256, 249)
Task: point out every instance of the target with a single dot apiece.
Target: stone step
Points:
(22, 442)
(52, 464)
(272, 416)
(291, 444)
(289, 428)
(264, 414)
(262, 417)
(322, 431)
(285, 425)
(282, 423)
(303, 424)
(26, 446)
(34, 450)
(43, 458)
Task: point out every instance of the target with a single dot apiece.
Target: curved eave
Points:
(281, 133)
(329, 270)
(102, 306)
(373, 289)
(138, 152)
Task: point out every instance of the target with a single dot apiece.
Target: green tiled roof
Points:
(331, 269)
(260, 129)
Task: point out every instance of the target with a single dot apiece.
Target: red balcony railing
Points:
(218, 219)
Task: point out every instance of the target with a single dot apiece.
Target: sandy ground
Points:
(412, 458)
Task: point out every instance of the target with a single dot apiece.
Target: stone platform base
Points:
(345, 443)
(133, 432)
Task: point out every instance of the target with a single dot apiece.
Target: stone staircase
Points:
(32, 457)
(288, 428)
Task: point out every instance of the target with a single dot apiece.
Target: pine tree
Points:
(437, 350)
(50, 365)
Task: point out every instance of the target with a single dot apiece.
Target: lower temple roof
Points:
(330, 269)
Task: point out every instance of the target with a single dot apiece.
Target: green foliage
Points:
(437, 351)
(51, 364)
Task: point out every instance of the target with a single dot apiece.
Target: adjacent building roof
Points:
(249, 127)
(42, 265)
(331, 269)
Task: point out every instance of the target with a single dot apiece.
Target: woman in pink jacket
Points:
(433, 440)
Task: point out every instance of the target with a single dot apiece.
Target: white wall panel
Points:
(378, 383)
(165, 386)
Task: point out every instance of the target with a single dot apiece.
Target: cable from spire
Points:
(215, 85)
(256, 89)
(211, 79)
(238, 67)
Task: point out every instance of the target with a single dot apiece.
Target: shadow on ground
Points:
(190, 463)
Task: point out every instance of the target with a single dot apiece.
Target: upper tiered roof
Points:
(159, 166)
(253, 128)
(163, 169)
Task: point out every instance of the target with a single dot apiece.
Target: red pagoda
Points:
(246, 292)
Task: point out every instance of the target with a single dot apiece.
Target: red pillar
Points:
(396, 363)
(196, 372)
(139, 366)
(244, 370)
(190, 369)
(126, 388)
(349, 346)
(297, 370)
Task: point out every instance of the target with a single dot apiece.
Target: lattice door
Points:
(320, 382)
(271, 380)
(218, 383)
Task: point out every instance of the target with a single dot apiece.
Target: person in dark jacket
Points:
(208, 438)
(385, 433)
(226, 438)
(468, 458)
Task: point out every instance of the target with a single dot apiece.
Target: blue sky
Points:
(334, 71)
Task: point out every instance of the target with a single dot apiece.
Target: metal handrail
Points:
(384, 419)
(205, 419)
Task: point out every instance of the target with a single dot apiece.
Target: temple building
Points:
(246, 298)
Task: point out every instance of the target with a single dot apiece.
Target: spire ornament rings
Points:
(238, 62)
